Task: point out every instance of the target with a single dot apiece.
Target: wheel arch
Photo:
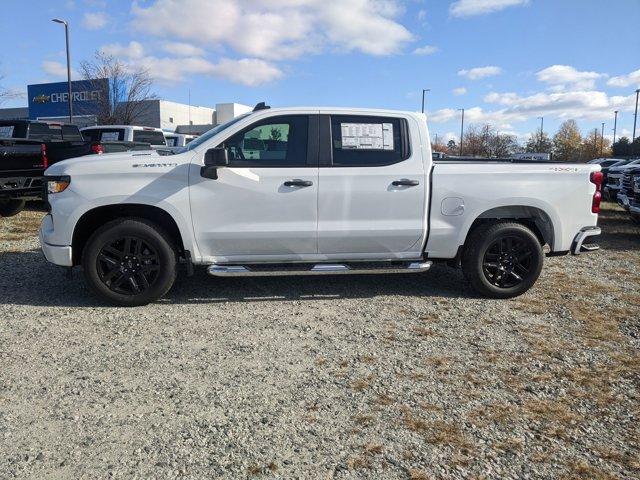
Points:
(93, 219)
(534, 218)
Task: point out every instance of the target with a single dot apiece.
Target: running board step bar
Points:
(267, 270)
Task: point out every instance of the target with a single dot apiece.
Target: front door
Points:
(263, 206)
(372, 198)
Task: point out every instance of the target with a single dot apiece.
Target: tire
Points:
(635, 218)
(129, 262)
(502, 259)
(11, 206)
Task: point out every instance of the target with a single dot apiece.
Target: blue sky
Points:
(506, 62)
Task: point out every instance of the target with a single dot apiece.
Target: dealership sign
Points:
(51, 99)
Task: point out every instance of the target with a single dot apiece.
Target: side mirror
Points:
(214, 159)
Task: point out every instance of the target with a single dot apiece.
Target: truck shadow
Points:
(31, 280)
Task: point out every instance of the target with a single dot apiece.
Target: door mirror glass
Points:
(216, 157)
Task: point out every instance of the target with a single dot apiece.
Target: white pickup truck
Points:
(307, 191)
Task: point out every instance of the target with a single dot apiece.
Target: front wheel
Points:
(129, 262)
(502, 259)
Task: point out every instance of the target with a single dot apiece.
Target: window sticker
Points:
(6, 131)
(109, 137)
(367, 136)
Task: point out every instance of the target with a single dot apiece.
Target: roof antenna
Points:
(261, 106)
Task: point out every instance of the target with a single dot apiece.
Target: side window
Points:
(71, 132)
(274, 142)
(40, 131)
(153, 137)
(368, 141)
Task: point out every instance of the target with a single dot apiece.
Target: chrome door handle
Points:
(296, 182)
(405, 182)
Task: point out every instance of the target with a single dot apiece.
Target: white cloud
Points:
(562, 77)
(579, 105)
(278, 29)
(631, 80)
(94, 21)
(169, 70)
(131, 51)
(57, 69)
(468, 8)
(459, 91)
(422, 15)
(247, 71)
(480, 72)
(183, 49)
(426, 50)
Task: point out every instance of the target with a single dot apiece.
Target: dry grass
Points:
(415, 474)
(363, 420)
(579, 470)
(362, 384)
(22, 226)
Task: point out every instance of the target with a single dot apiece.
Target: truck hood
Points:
(124, 162)
(623, 168)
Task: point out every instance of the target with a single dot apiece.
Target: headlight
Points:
(58, 184)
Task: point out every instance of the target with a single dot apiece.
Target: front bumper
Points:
(623, 200)
(578, 246)
(57, 254)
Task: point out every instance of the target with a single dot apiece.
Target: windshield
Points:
(195, 143)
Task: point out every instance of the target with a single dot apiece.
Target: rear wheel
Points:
(129, 262)
(11, 206)
(502, 259)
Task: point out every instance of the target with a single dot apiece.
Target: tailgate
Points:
(16, 155)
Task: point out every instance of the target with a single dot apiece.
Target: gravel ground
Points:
(394, 377)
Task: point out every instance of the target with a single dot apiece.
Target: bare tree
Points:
(129, 89)
(485, 141)
(6, 94)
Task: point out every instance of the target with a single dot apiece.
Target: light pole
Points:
(602, 140)
(424, 90)
(541, 130)
(635, 120)
(461, 129)
(66, 34)
(615, 124)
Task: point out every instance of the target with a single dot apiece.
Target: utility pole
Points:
(602, 140)
(436, 139)
(424, 90)
(615, 124)
(635, 120)
(66, 34)
(461, 129)
(541, 130)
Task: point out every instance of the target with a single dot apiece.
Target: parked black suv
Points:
(27, 148)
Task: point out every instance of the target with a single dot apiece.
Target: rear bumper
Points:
(578, 246)
(56, 254)
(21, 187)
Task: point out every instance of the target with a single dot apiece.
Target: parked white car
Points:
(178, 139)
(125, 133)
(307, 191)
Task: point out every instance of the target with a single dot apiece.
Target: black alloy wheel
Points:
(502, 259)
(128, 265)
(130, 262)
(508, 261)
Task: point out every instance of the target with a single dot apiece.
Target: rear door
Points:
(372, 192)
